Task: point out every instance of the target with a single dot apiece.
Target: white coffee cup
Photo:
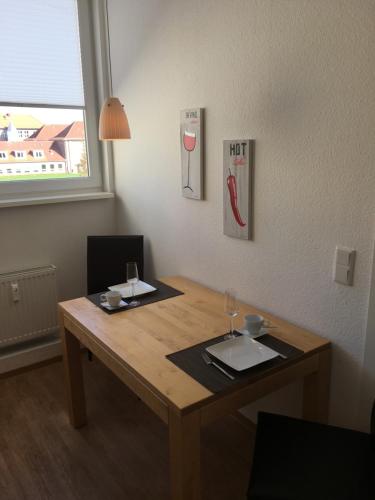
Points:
(253, 323)
(113, 298)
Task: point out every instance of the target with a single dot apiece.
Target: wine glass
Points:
(231, 309)
(132, 278)
(189, 140)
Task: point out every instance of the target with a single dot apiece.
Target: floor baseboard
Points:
(28, 354)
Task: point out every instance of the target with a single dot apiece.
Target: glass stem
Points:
(133, 291)
(231, 325)
(188, 182)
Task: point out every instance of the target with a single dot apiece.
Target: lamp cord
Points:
(109, 49)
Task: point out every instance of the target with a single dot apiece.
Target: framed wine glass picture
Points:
(238, 188)
(191, 143)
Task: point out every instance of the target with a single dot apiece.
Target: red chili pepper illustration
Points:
(232, 186)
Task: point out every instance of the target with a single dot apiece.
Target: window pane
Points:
(40, 45)
(33, 141)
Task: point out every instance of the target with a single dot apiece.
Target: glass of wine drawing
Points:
(189, 140)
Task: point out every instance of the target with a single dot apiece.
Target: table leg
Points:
(184, 455)
(316, 390)
(74, 379)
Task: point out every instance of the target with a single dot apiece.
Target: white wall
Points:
(54, 234)
(298, 77)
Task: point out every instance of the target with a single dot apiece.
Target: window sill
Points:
(60, 198)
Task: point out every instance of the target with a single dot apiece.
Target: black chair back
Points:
(107, 257)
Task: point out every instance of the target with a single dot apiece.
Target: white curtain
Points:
(40, 59)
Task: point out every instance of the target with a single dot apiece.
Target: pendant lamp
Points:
(113, 122)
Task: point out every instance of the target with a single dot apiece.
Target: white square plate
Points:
(125, 289)
(241, 353)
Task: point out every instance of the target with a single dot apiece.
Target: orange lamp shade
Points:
(113, 122)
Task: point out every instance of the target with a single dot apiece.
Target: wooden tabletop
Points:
(140, 338)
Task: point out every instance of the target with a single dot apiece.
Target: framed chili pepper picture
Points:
(237, 187)
(191, 140)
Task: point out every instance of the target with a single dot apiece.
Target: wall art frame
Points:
(238, 171)
(192, 152)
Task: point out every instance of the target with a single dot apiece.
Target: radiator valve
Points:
(15, 292)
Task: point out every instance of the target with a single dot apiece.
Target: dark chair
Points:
(107, 257)
(298, 460)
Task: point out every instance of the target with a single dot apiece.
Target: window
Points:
(44, 167)
(60, 166)
(3, 154)
(36, 101)
(23, 133)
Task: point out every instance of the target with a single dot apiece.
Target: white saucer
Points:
(243, 331)
(112, 308)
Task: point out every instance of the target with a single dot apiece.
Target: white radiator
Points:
(28, 305)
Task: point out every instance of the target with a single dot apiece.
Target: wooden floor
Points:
(121, 454)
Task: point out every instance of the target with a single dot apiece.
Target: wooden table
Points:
(134, 343)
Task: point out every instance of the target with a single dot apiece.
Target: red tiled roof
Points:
(46, 133)
(46, 146)
(73, 131)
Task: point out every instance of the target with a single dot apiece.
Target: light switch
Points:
(344, 265)
(342, 256)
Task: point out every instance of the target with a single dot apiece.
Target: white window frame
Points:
(95, 69)
(38, 153)
(4, 155)
(19, 154)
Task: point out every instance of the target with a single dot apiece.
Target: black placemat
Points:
(190, 361)
(162, 292)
